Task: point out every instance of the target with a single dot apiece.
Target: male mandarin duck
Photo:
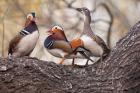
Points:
(58, 45)
(24, 42)
(92, 42)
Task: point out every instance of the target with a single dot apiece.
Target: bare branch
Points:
(18, 7)
(69, 4)
(3, 35)
(116, 12)
(76, 24)
(99, 20)
(110, 23)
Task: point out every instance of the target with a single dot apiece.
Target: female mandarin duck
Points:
(92, 42)
(58, 45)
(23, 43)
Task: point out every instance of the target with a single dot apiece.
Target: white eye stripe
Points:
(30, 15)
(57, 27)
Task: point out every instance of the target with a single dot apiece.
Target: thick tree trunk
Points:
(118, 73)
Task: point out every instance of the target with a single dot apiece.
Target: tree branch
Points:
(118, 73)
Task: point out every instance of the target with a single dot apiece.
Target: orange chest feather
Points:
(76, 43)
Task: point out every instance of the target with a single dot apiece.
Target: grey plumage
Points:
(98, 50)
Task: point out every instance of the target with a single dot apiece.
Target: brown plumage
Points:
(65, 46)
(24, 42)
(58, 45)
(13, 43)
(106, 49)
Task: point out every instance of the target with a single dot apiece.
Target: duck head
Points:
(30, 24)
(30, 19)
(57, 32)
(84, 10)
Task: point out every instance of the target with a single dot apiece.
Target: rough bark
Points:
(118, 73)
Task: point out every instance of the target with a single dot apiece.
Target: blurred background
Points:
(111, 20)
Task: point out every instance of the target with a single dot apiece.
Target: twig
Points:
(98, 20)
(123, 19)
(110, 23)
(3, 35)
(18, 7)
(69, 4)
(76, 24)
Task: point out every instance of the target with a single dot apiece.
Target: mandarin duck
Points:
(58, 45)
(92, 42)
(24, 42)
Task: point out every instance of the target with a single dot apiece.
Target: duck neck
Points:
(31, 27)
(87, 28)
(60, 37)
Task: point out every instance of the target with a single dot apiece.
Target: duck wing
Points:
(13, 44)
